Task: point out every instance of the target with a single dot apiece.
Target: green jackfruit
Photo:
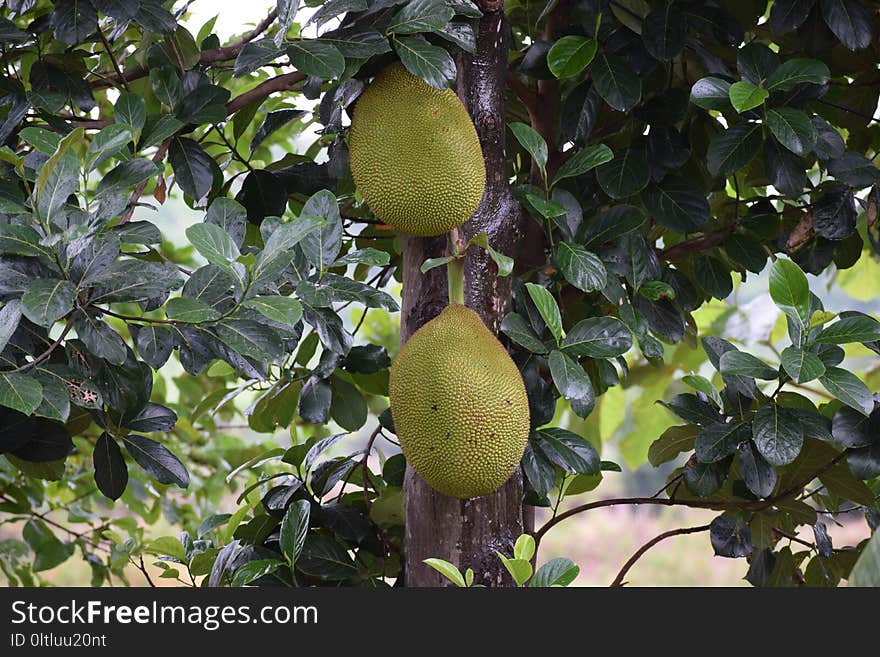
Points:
(415, 155)
(459, 405)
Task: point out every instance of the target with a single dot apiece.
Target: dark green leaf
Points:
(671, 443)
(616, 221)
(294, 529)
(111, 473)
(713, 276)
(314, 401)
(859, 328)
(711, 94)
(420, 16)
(785, 170)
(598, 337)
(733, 148)
(426, 61)
(584, 160)
(756, 62)
(730, 536)
(46, 300)
(849, 20)
(315, 57)
(797, 71)
(532, 142)
(758, 475)
(677, 204)
(692, 408)
(718, 441)
(792, 128)
(790, 291)
(49, 552)
(801, 365)
(853, 429)
(100, 338)
(626, 175)
(777, 434)
(547, 307)
(154, 344)
(517, 329)
(255, 55)
(156, 460)
(580, 267)
(325, 558)
(848, 388)
(742, 364)
(20, 392)
(787, 15)
(572, 382)
(663, 32)
(854, 169)
(213, 242)
(193, 167)
(834, 214)
(616, 82)
(569, 451)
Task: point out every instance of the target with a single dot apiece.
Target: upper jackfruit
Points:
(415, 155)
(459, 405)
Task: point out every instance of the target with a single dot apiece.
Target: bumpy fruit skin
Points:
(459, 405)
(415, 155)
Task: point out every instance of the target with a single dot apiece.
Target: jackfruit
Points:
(415, 155)
(459, 405)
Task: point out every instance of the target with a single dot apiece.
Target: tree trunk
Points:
(467, 532)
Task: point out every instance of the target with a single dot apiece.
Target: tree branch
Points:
(284, 82)
(224, 53)
(618, 581)
(752, 505)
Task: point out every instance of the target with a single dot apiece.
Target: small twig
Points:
(45, 355)
(143, 569)
(364, 465)
(618, 581)
(113, 59)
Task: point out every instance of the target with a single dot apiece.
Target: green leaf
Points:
(848, 388)
(860, 328)
(294, 528)
(626, 175)
(850, 22)
(420, 16)
(547, 209)
(866, 572)
(347, 406)
(718, 441)
(572, 382)
(120, 179)
(777, 434)
(58, 177)
(744, 364)
(46, 300)
(581, 268)
(797, 71)
(570, 55)
(801, 365)
(615, 222)
(426, 61)
(702, 384)
(48, 551)
(191, 311)
(733, 148)
(250, 338)
(214, 243)
(100, 338)
(448, 570)
(790, 291)
(532, 141)
(277, 252)
(166, 546)
(711, 94)
(432, 263)
(516, 328)
(130, 110)
(520, 569)
(283, 310)
(556, 572)
(367, 256)
(616, 82)
(584, 160)
(254, 570)
(21, 240)
(792, 128)
(21, 392)
(546, 305)
(598, 337)
(745, 96)
(503, 262)
(107, 141)
(10, 316)
(524, 548)
(316, 57)
(672, 442)
(569, 451)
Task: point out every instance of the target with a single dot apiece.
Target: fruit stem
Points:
(455, 277)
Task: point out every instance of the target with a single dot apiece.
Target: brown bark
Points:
(467, 532)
